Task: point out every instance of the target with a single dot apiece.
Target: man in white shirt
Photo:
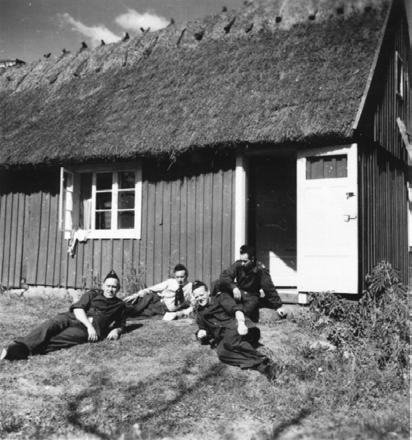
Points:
(172, 297)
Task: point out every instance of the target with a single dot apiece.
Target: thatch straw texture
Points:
(234, 79)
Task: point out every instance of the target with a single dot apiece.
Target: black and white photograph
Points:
(205, 219)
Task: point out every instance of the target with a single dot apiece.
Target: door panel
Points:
(327, 220)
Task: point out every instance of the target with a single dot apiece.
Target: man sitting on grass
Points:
(90, 319)
(223, 324)
(170, 298)
(244, 280)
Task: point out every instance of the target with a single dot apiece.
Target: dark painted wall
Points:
(383, 210)
(184, 219)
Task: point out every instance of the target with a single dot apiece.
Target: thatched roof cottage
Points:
(275, 124)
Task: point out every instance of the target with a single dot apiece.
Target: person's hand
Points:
(185, 313)
(237, 295)
(201, 334)
(133, 297)
(242, 329)
(92, 335)
(114, 334)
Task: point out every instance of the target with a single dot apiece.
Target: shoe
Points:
(14, 351)
(281, 314)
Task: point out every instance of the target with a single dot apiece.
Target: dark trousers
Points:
(148, 305)
(239, 351)
(252, 301)
(62, 331)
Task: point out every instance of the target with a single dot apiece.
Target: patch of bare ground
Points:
(157, 382)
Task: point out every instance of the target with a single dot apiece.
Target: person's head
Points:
(180, 273)
(200, 293)
(111, 285)
(247, 256)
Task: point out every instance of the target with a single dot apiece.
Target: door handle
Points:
(348, 217)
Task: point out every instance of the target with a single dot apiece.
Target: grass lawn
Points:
(159, 377)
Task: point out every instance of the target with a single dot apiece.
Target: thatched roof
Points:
(241, 77)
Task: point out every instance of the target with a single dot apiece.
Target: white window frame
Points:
(399, 70)
(64, 213)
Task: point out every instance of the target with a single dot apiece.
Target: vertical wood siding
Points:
(184, 219)
(383, 232)
(382, 211)
(383, 105)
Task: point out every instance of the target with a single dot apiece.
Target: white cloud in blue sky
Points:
(94, 33)
(133, 21)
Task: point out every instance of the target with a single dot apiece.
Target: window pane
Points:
(126, 200)
(341, 166)
(67, 179)
(327, 167)
(85, 206)
(104, 200)
(125, 220)
(103, 220)
(103, 181)
(126, 179)
(85, 186)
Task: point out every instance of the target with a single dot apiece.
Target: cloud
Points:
(133, 21)
(94, 33)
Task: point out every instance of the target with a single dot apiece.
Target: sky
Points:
(31, 28)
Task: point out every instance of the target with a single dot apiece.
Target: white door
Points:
(327, 220)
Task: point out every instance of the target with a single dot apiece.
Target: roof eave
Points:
(369, 81)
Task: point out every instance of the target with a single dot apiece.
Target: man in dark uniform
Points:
(97, 315)
(223, 324)
(244, 279)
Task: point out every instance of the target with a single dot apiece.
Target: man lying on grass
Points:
(223, 324)
(170, 298)
(90, 319)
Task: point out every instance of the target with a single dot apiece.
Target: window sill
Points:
(111, 234)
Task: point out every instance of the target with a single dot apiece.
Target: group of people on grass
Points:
(226, 315)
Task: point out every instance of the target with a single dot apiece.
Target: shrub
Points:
(379, 319)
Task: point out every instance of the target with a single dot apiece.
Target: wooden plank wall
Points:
(382, 211)
(384, 105)
(184, 219)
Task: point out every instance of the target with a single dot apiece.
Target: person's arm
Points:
(133, 297)
(118, 326)
(227, 282)
(81, 316)
(241, 326)
(157, 288)
(184, 313)
(114, 333)
(229, 305)
(201, 334)
(272, 298)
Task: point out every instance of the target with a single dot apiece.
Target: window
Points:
(104, 201)
(326, 167)
(399, 75)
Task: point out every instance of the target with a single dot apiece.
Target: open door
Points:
(273, 216)
(327, 220)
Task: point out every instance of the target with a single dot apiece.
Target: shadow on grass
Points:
(185, 390)
(296, 420)
(81, 407)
